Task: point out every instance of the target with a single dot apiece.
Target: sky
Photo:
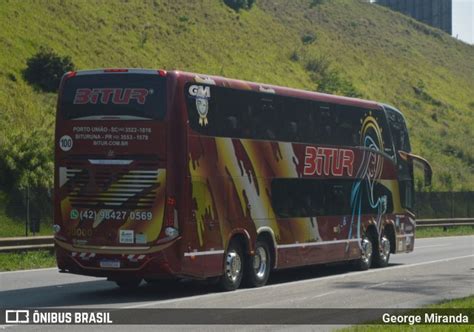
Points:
(463, 20)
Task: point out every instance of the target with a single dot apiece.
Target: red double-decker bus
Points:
(164, 175)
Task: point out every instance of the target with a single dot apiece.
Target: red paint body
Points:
(216, 188)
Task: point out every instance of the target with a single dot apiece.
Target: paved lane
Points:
(440, 268)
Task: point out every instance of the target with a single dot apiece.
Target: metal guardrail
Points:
(445, 222)
(11, 244)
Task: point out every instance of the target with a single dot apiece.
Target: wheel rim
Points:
(260, 262)
(366, 251)
(384, 248)
(233, 266)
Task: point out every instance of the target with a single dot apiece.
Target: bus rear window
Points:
(130, 96)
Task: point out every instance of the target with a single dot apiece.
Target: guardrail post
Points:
(27, 221)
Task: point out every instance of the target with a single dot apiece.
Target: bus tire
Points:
(128, 284)
(258, 266)
(382, 255)
(368, 243)
(233, 267)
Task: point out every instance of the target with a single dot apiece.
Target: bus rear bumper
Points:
(159, 264)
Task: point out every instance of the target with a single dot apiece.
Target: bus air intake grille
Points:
(124, 189)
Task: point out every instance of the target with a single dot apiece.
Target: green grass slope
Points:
(383, 55)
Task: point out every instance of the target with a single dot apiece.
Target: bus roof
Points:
(242, 85)
(275, 89)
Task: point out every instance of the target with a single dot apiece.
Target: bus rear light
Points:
(69, 74)
(162, 73)
(115, 70)
(171, 213)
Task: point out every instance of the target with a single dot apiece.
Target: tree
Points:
(45, 69)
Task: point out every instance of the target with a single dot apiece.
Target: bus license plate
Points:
(110, 263)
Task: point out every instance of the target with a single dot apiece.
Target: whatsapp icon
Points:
(74, 214)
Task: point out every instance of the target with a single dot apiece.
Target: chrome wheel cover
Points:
(233, 266)
(367, 251)
(260, 262)
(384, 248)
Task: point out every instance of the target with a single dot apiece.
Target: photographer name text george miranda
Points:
(426, 318)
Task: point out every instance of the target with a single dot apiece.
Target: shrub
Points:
(308, 38)
(295, 56)
(315, 3)
(318, 65)
(239, 4)
(45, 69)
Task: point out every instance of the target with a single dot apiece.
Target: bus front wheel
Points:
(258, 266)
(233, 267)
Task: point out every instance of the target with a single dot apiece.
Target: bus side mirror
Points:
(419, 162)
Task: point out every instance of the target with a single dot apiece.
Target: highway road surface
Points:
(438, 269)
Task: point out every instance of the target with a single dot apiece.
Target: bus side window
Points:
(296, 121)
(232, 126)
(266, 120)
(294, 198)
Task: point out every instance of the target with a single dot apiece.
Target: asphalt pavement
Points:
(438, 269)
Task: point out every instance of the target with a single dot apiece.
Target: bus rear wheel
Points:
(258, 266)
(367, 245)
(233, 267)
(382, 256)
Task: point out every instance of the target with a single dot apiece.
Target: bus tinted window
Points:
(324, 197)
(132, 95)
(401, 142)
(252, 115)
(398, 129)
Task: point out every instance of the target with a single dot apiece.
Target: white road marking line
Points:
(376, 285)
(437, 245)
(323, 294)
(286, 284)
(32, 270)
(264, 305)
(3, 327)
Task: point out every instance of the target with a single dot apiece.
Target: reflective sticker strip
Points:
(203, 253)
(135, 257)
(319, 243)
(83, 255)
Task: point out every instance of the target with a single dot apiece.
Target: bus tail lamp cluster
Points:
(69, 74)
(171, 220)
(162, 72)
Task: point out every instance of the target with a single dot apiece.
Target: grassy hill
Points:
(366, 49)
